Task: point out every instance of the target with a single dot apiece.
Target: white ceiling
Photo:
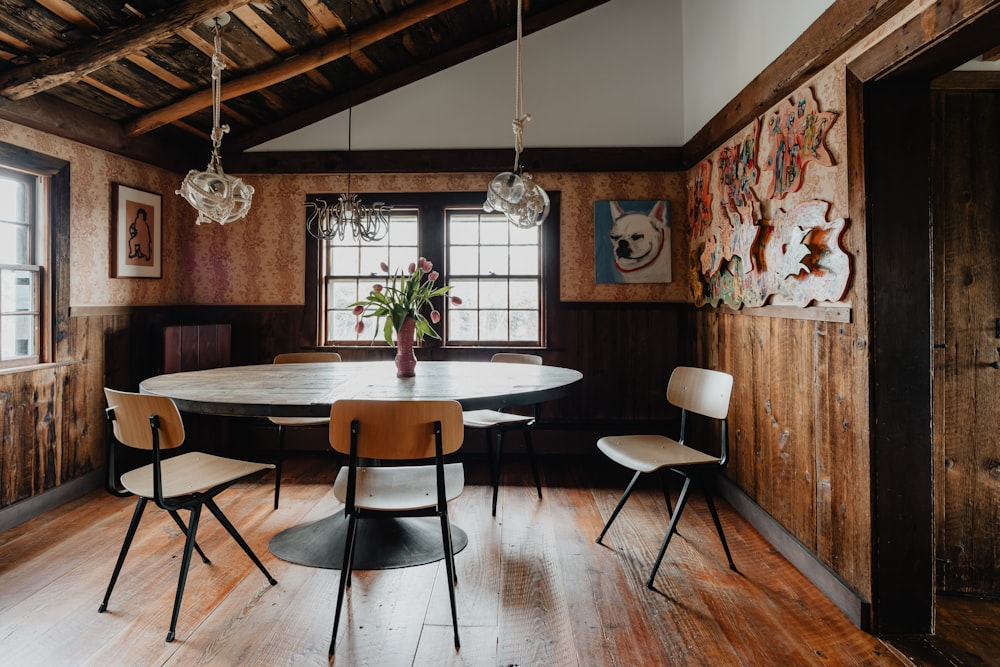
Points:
(628, 73)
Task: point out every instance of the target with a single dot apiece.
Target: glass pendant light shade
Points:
(216, 196)
(514, 193)
(519, 198)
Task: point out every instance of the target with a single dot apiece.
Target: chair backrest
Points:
(131, 422)
(306, 357)
(701, 391)
(396, 430)
(516, 358)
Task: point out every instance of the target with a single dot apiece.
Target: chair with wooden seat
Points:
(499, 423)
(188, 481)
(389, 444)
(284, 422)
(695, 391)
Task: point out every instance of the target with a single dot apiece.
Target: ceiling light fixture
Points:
(514, 193)
(326, 221)
(216, 196)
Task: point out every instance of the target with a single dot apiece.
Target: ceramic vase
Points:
(406, 361)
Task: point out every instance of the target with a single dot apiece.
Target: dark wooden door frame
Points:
(897, 149)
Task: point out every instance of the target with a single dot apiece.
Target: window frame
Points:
(37, 241)
(432, 243)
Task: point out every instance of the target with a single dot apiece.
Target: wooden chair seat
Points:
(194, 472)
(400, 488)
(648, 453)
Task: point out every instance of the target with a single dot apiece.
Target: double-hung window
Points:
(21, 269)
(495, 269)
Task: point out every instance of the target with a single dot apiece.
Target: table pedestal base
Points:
(381, 544)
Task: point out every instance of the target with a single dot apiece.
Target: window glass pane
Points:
(462, 325)
(463, 229)
(493, 294)
(493, 260)
(524, 260)
(523, 325)
(523, 236)
(404, 231)
(18, 336)
(342, 293)
(400, 259)
(493, 325)
(495, 231)
(524, 294)
(463, 261)
(344, 260)
(468, 291)
(13, 201)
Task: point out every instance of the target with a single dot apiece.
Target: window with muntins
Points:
(21, 269)
(492, 266)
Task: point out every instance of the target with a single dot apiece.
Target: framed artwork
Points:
(632, 241)
(136, 232)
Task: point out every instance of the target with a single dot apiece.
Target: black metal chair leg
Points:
(345, 576)
(618, 508)
(496, 467)
(718, 524)
(179, 522)
(277, 464)
(136, 516)
(666, 491)
(185, 565)
(488, 433)
(681, 502)
(449, 564)
(526, 432)
(214, 509)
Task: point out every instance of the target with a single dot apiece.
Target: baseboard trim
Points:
(826, 580)
(29, 508)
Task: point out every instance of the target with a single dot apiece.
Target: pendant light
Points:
(326, 221)
(514, 193)
(216, 196)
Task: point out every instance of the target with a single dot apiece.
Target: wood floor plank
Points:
(534, 588)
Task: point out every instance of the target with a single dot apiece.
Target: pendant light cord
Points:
(520, 118)
(218, 64)
(350, 91)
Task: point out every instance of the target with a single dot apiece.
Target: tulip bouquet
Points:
(404, 295)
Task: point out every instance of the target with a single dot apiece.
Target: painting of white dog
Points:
(632, 241)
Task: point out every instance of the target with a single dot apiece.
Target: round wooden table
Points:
(308, 390)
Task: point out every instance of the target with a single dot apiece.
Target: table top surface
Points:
(308, 390)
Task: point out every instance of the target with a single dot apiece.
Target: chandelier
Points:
(326, 221)
(514, 193)
(216, 196)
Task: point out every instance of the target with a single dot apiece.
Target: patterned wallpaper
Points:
(260, 260)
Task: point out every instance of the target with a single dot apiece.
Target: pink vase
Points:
(406, 361)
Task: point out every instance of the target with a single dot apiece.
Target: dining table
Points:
(308, 390)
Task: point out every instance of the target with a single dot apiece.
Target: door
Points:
(966, 188)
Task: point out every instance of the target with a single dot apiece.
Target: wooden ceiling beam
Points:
(74, 64)
(292, 67)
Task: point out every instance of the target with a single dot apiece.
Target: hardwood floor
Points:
(534, 588)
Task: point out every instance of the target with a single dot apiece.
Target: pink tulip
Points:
(384, 266)
(435, 316)
(360, 326)
(425, 266)
(412, 267)
(377, 288)
(457, 300)
(433, 276)
(358, 310)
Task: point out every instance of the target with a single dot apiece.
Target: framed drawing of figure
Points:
(136, 232)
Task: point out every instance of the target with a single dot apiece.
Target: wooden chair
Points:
(283, 422)
(188, 481)
(697, 391)
(495, 421)
(372, 432)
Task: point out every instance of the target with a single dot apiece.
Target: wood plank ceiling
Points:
(135, 77)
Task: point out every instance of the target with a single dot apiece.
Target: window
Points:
(21, 270)
(495, 268)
